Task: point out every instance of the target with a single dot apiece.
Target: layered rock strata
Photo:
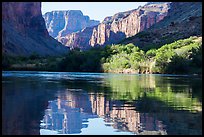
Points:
(184, 19)
(121, 25)
(61, 23)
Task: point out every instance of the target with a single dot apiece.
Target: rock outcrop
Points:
(24, 32)
(184, 19)
(121, 25)
(61, 23)
(78, 39)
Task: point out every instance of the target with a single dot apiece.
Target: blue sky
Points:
(95, 10)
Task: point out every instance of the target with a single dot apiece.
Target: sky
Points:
(95, 10)
(93, 129)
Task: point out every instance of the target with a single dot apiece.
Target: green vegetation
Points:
(76, 60)
(180, 57)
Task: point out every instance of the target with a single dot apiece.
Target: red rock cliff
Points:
(127, 24)
(122, 25)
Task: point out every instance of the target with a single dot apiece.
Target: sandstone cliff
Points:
(24, 31)
(119, 26)
(78, 39)
(184, 19)
(61, 23)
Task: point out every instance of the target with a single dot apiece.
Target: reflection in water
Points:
(68, 114)
(86, 103)
(175, 92)
(71, 112)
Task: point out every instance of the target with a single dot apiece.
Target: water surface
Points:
(100, 103)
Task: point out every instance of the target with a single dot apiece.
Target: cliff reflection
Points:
(68, 114)
(23, 104)
(71, 112)
(142, 105)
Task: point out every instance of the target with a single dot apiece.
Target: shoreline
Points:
(166, 74)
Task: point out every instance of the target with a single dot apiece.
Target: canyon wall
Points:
(184, 19)
(115, 28)
(24, 32)
(61, 23)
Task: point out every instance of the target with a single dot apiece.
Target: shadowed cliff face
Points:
(24, 16)
(119, 26)
(61, 23)
(24, 31)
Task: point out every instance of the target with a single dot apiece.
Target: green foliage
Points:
(5, 62)
(123, 57)
(182, 56)
(197, 56)
(178, 57)
(151, 53)
(87, 61)
(163, 58)
(178, 65)
(34, 56)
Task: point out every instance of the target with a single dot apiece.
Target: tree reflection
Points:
(144, 104)
(174, 92)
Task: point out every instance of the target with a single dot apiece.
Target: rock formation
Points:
(184, 19)
(117, 27)
(24, 32)
(78, 39)
(61, 23)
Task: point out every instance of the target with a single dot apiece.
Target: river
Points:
(49, 103)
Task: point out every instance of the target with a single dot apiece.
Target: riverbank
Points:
(180, 57)
(131, 73)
